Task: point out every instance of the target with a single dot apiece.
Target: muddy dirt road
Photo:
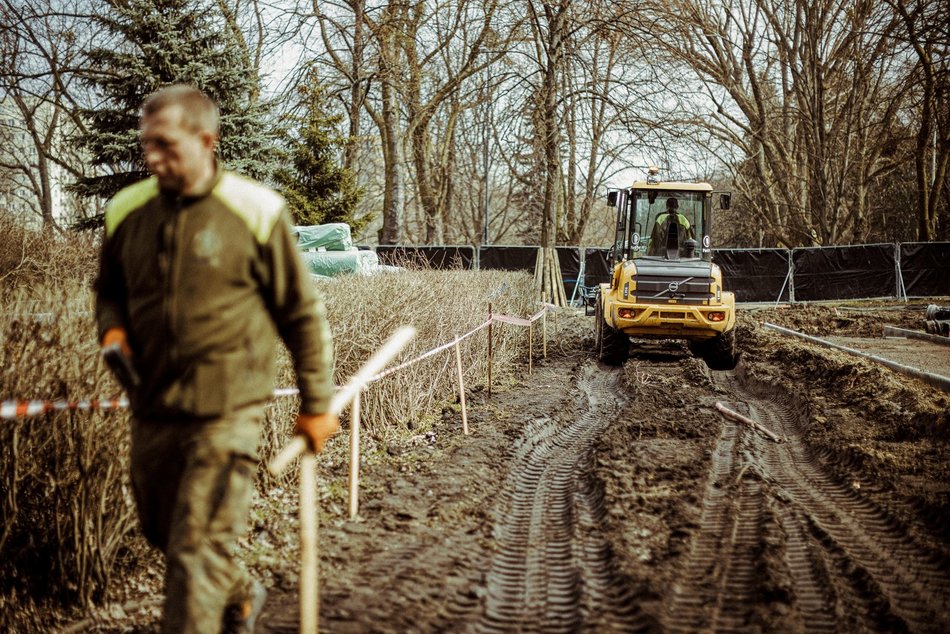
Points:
(595, 498)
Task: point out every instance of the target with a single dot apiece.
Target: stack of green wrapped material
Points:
(328, 250)
(334, 236)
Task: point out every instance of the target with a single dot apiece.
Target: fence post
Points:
(355, 456)
(530, 346)
(901, 289)
(791, 276)
(490, 321)
(458, 363)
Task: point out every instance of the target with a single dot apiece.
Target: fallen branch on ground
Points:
(736, 416)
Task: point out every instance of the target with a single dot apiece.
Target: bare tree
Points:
(363, 49)
(40, 48)
(926, 31)
(805, 91)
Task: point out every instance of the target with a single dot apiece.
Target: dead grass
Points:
(66, 514)
(34, 258)
(65, 510)
(441, 305)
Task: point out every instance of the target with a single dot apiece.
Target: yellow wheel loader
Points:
(664, 283)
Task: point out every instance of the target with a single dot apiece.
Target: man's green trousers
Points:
(193, 482)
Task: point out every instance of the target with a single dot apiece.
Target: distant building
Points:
(21, 184)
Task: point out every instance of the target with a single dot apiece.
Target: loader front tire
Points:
(719, 353)
(612, 345)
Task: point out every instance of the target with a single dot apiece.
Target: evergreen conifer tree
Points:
(156, 43)
(317, 188)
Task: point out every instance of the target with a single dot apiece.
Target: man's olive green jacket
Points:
(203, 285)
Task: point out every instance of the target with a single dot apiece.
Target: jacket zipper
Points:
(174, 235)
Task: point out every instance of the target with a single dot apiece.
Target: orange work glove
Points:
(117, 335)
(316, 429)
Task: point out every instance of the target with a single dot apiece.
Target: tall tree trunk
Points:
(555, 16)
(427, 194)
(355, 106)
(394, 194)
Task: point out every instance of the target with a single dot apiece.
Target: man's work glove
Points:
(316, 429)
(115, 336)
(118, 356)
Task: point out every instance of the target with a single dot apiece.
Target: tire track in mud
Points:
(719, 579)
(847, 563)
(553, 571)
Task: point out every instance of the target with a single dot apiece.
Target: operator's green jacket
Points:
(203, 285)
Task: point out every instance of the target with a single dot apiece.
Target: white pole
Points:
(358, 381)
(355, 457)
(309, 557)
(458, 363)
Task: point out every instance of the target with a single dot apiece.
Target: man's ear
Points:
(209, 140)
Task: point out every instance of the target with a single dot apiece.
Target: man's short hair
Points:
(672, 203)
(199, 111)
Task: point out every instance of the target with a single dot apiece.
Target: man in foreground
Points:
(199, 275)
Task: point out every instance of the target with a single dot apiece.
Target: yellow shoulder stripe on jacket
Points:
(259, 206)
(127, 201)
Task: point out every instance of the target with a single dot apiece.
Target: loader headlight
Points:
(627, 313)
(716, 316)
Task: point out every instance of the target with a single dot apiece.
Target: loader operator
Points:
(199, 275)
(660, 231)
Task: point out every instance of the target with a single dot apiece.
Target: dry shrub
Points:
(30, 257)
(65, 511)
(441, 305)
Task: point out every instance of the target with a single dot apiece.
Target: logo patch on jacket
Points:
(207, 246)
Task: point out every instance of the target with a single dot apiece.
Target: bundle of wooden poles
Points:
(548, 281)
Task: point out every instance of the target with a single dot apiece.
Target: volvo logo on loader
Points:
(674, 286)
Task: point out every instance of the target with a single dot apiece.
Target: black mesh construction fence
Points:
(845, 272)
(914, 269)
(569, 258)
(925, 268)
(597, 267)
(447, 257)
(524, 258)
(755, 275)
(507, 258)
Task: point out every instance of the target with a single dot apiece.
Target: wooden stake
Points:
(489, 347)
(355, 457)
(544, 326)
(539, 269)
(458, 363)
(309, 557)
(342, 398)
(548, 272)
(560, 285)
(530, 346)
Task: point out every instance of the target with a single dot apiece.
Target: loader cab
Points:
(665, 221)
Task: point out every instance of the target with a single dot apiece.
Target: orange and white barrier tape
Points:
(20, 409)
(12, 409)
